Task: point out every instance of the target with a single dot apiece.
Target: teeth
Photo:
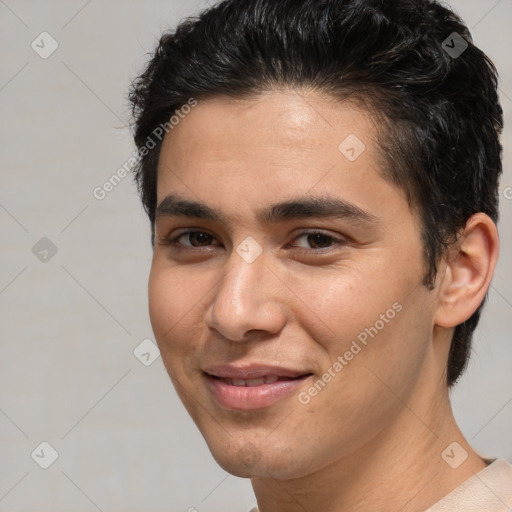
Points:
(254, 382)
(268, 379)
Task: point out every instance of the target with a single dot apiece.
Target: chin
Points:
(244, 460)
(248, 461)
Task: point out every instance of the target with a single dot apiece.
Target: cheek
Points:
(335, 305)
(365, 316)
(163, 303)
(174, 309)
(382, 351)
(368, 388)
(175, 301)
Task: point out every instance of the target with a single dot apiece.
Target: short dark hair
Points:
(406, 60)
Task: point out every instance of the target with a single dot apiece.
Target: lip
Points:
(252, 397)
(252, 371)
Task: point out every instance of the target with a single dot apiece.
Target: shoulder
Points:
(489, 490)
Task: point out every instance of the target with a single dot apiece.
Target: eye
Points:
(319, 240)
(195, 239)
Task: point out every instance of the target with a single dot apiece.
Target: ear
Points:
(469, 270)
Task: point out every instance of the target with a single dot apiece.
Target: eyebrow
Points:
(174, 205)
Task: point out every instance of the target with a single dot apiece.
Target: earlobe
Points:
(469, 270)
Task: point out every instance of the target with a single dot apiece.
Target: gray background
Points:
(69, 325)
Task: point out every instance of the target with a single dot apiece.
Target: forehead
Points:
(278, 144)
(293, 119)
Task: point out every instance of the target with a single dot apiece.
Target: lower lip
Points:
(254, 397)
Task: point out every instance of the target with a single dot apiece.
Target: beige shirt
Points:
(489, 490)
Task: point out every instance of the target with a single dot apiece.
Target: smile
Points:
(255, 393)
(269, 379)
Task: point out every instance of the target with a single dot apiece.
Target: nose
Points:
(247, 300)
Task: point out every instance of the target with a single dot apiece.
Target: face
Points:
(285, 290)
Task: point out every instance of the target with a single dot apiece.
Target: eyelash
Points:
(174, 241)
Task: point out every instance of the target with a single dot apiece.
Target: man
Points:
(321, 178)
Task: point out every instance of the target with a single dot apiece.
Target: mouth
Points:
(253, 393)
(267, 379)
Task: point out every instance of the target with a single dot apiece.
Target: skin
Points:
(378, 428)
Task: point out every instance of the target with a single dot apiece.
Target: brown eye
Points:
(318, 240)
(195, 238)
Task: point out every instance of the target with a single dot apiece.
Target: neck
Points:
(400, 469)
